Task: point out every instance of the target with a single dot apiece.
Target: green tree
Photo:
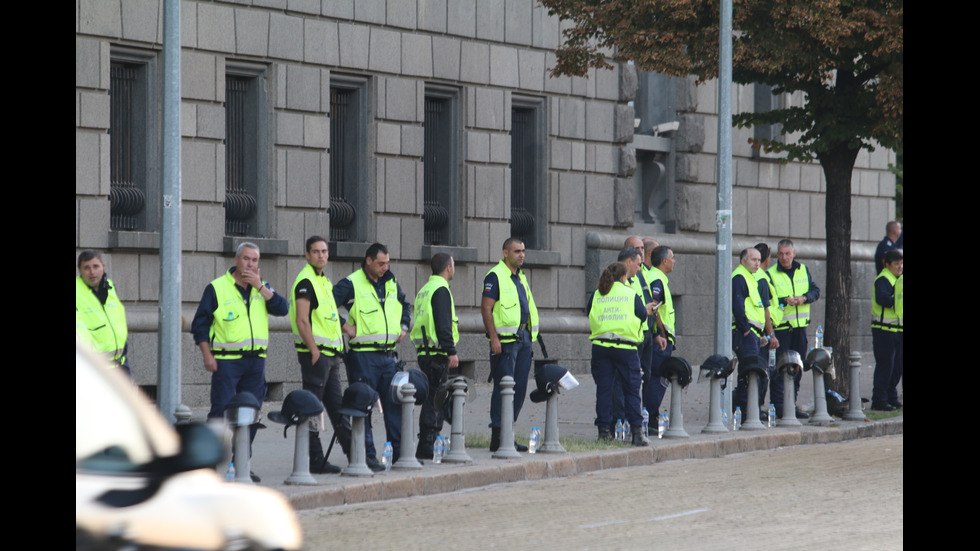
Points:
(844, 55)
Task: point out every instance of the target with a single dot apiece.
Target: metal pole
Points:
(723, 214)
(168, 368)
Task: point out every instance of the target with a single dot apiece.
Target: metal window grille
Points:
(436, 162)
(126, 198)
(240, 205)
(343, 137)
(523, 163)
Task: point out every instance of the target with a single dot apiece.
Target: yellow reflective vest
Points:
(105, 324)
(885, 318)
(238, 327)
(378, 325)
(324, 320)
(507, 310)
(754, 311)
(793, 316)
(427, 342)
(775, 312)
(612, 318)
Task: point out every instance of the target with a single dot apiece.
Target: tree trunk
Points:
(837, 165)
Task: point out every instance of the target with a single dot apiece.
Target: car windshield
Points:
(109, 432)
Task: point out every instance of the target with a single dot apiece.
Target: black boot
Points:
(494, 438)
(639, 439)
(427, 439)
(319, 463)
(605, 433)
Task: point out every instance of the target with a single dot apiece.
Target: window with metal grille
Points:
(528, 220)
(441, 167)
(765, 101)
(241, 177)
(127, 146)
(346, 158)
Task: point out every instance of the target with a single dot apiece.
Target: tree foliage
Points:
(846, 56)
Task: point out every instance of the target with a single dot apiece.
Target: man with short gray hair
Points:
(231, 327)
(795, 291)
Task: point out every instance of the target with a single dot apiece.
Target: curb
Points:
(533, 468)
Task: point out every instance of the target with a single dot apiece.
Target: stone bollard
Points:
(182, 415)
(854, 411)
(406, 457)
(750, 421)
(506, 449)
(789, 401)
(820, 415)
(676, 429)
(358, 454)
(714, 409)
(551, 443)
(301, 457)
(457, 438)
(241, 456)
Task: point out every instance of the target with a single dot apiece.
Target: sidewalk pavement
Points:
(272, 455)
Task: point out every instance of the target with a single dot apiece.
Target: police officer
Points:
(319, 343)
(99, 311)
(632, 258)
(435, 334)
(616, 319)
(231, 327)
(795, 291)
(886, 330)
(379, 320)
(748, 317)
(511, 321)
(773, 315)
(662, 263)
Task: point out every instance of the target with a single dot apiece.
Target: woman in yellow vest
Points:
(616, 318)
(886, 328)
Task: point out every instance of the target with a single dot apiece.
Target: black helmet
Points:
(790, 361)
(820, 359)
(416, 378)
(718, 366)
(298, 406)
(675, 366)
(752, 363)
(359, 399)
(421, 384)
(547, 378)
(234, 413)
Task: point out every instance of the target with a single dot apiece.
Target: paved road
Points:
(845, 495)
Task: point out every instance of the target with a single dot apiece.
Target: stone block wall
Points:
(493, 53)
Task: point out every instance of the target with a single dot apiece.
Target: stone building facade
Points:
(427, 125)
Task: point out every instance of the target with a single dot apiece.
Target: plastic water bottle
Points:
(627, 432)
(737, 423)
(646, 422)
(620, 430)
(438, 449)
(772, 360)
(772, 415)
(724, 417)
(661, 425)
(230, 473)
(534, 440)
(386, 456)
(819, 343)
